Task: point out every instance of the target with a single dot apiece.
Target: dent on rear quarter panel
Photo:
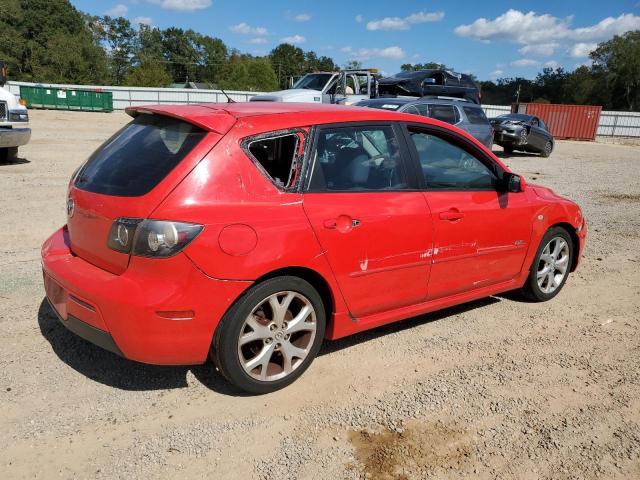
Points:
(226, 192)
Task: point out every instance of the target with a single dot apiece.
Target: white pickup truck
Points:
(14, 121)
(343, 87)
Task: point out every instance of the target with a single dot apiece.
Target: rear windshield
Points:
(139, 156)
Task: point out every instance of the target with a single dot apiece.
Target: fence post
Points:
(615, 123)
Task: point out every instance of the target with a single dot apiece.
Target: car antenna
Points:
(229, 99)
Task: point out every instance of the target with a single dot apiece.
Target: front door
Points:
(375, 231)
(481, 233)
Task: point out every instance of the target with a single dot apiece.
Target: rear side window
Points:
(475, 115)
(277, 157)
(139, 156)
(363, 158)
(444, 113)
(418, 109)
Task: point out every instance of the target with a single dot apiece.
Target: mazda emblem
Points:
(71, 206)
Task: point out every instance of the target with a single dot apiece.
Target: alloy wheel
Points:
(277, 336)
(553, 265)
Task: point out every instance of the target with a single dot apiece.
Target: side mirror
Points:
(514, 183)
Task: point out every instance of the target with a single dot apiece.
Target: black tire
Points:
(8, 154)
(548, 148)
(226, 338)
(531, 290)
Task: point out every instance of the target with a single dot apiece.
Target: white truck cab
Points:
(343, 87)
(14, 121)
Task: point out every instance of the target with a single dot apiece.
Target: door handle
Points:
(451, 215)
(343, 223)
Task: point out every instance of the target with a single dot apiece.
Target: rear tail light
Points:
(151, 238)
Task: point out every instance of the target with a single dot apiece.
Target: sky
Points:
(489, 38)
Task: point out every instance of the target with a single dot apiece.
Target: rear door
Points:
(128, 176)
(481, 232)
(369, 217)
(478, 125)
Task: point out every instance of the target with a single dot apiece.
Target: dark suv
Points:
(419, 83)
(461, 113)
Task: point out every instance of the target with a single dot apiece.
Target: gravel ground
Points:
(496, 388)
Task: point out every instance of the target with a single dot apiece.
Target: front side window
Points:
(444, 113)
(446, 166)
(359, 158)
(138, 157)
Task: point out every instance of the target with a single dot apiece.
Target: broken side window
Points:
(277, 156)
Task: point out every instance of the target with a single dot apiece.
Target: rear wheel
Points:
(271, 335)
(548, 148)
(550, 267)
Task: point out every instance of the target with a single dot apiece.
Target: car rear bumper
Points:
(14, 137)
(159, 311)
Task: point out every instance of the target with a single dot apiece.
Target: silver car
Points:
(462, 113)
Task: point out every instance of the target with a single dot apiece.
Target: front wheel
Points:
(550, 267)
(271, 335)
(548, 148)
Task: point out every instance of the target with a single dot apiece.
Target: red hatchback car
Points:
(251, 231)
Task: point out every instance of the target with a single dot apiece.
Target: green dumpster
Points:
(67, 99)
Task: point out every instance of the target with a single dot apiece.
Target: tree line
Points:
(51, 41)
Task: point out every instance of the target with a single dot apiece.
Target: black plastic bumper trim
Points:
(91, 334)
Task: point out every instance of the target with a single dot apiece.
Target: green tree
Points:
(42, 30)
(618, 60)
(211, 57)
(288, 61)
(180, 53)
(353, 65)
(148, 73)
(244, 72)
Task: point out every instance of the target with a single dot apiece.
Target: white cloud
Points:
(118, 10)
(246, 29)
(293, 39)
(393, 53)
(143, 21)
(359, 18)
(302, 17)
(258, 40)
(582, 49)
(397, 23)
(540, 49)
(516, 26)
(540, 34)
(607, 28)
(182, 5)
(496, 74)
(525, 62)
(552, 64)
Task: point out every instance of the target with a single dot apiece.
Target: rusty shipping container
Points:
(577, 122)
